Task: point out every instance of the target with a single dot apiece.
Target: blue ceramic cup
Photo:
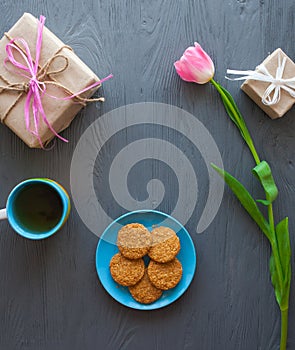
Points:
(37, 208)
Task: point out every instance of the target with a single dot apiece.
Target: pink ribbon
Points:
(36, 88)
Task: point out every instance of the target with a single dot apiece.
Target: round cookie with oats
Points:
(165, 276)
(134, 240)
(126, 272)
(165, 244)
(144, 291)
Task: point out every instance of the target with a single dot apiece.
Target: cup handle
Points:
(3, 214)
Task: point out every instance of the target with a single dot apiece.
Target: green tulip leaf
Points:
(263, 201)
(246, 200)
(236, 116)
(280, 265)
(263, 172)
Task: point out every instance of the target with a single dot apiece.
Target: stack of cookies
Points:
(164, 270)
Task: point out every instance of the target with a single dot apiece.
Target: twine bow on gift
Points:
(35, 88)
(272, 93)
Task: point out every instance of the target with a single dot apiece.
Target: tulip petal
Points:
(183, 71)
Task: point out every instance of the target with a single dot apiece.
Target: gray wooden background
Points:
(50, 296)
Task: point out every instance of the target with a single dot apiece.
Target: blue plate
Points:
(106, 248)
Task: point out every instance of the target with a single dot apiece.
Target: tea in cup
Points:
(37, 208)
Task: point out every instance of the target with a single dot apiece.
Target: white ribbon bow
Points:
(276, 83)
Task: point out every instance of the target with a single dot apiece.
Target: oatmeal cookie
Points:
(134, 240)
(126, 272)
(165, 244)
(144, 291)
(165, 275)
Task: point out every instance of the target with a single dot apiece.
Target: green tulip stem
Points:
(279, 271)
(284, 329)
(270, 217)
(247, 137)
(274, 243)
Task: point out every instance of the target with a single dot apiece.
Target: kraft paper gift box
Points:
(74, 75)
(256, 89)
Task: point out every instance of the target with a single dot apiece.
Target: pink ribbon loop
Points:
(36, 88)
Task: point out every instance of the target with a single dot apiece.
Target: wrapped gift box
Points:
(255, 89)
(75, 77)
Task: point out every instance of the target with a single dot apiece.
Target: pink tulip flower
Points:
(195, 65)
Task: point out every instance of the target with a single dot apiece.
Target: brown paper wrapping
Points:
(255, 89)
(75, 77)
